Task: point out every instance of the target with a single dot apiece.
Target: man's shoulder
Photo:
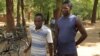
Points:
(59, 19)
(46, 28)
(72, 16)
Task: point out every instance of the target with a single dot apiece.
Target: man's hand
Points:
(55, 53)
(28, 48)
(25, 51)
(50, 45)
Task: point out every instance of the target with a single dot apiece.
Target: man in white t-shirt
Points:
(41, 37)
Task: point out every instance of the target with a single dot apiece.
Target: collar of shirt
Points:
(38, 29)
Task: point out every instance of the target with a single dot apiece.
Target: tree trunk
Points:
(22, 12)
(93, 19)
(29, 15)
(18, 12)
(9, 15)
(58, 8)
(47, 19)
(23, 19)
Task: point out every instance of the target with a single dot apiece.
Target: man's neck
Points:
(37, 28)
(65, 16)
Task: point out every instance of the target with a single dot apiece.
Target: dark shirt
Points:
(67, 33)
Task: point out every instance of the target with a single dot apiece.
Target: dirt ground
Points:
(91, 46)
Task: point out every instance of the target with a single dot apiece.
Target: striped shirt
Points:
(40, 38)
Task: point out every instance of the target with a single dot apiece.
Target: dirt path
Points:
(91, 46)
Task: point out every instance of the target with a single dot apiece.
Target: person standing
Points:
(41, 37)
(65, 32)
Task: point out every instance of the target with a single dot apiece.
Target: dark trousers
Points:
(74, 54)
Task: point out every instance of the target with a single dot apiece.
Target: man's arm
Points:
(29, 38)
(55, 38)
(82, 31)
(50, 42)
(28, 46)
(50, 46)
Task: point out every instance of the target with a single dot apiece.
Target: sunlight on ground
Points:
(90, 28)
(87, 50)
(2, 23)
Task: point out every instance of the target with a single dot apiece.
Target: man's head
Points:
(38, 20)
(66, 8)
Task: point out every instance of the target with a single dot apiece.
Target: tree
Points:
(22, 12)
(82, 8)
(93, 19)
(58, 8)
(45, 7)
(18, 12)
(9, 14)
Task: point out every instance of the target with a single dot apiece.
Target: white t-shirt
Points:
(40, 38)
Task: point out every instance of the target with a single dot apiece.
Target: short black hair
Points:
(40, 14)
(69, 3)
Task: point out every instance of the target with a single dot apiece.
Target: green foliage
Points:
(83, 8)
(98, 10)
(44, 6)
(2, 6)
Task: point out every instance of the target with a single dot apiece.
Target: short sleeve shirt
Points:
(40, 38)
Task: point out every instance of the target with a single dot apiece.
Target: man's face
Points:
(65, 9)
(38, 21)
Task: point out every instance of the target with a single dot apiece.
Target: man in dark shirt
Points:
(66, 30)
